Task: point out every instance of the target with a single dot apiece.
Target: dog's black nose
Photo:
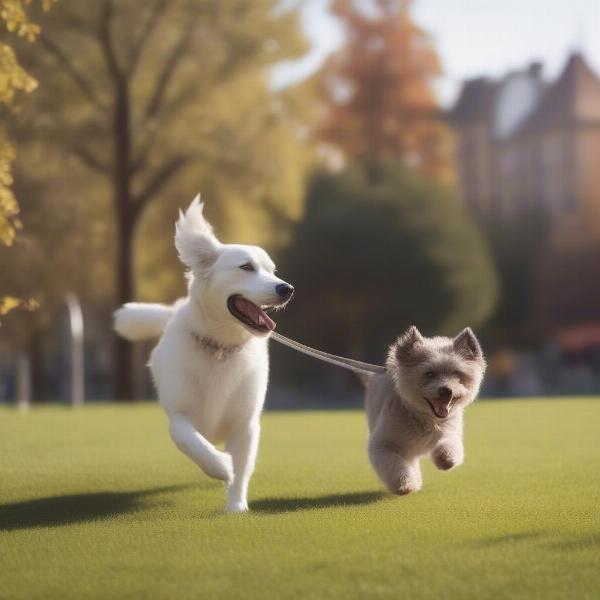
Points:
(284, 290)
(444, 392)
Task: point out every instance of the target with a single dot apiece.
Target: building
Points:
(524, 143)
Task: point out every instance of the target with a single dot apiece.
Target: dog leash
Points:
(346, 363)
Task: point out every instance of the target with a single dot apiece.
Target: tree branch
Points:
(86, 156)
(81, 82)
(148, 26)
(141, 159)
(169, 68)
(158, 124)
(162, 176)
(106, 42)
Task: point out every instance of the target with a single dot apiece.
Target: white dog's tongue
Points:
(254, 313)
(441, 407)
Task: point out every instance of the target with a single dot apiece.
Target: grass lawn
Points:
(97, 503)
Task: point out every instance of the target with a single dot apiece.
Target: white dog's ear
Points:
(467, 345)
(195, 241)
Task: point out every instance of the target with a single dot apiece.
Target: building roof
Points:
(573, 98)
(475, 102)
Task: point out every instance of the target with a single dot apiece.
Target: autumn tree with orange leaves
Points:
(378, 87)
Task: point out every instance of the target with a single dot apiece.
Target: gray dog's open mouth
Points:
(441, 408)
(250, 314)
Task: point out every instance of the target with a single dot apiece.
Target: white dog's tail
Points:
(135, 321)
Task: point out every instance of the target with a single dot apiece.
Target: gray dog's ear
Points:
(467, 345)
(408, 343)
(195, 241)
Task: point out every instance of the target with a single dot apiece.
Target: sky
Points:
(473, 37)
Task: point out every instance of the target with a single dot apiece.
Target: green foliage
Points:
(518, 246)
(256, 201)
(192, 79)
(98, 503)
(62, 247)
(369, 259)
(157, 101)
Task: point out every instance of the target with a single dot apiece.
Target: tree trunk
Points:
(123, 356)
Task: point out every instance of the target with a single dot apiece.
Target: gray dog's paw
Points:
(404, 486)
(405, 489)
(444, 460)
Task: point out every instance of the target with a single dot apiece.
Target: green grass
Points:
(97, 503)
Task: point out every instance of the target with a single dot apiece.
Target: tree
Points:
(145, 98)
(56, 252)
(13, 78)
(380, 103)
(371, 259)
(518, 247)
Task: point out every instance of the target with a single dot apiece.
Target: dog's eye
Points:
(430, 375)
(247, 267)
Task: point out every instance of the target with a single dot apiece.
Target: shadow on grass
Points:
(507, 539)
(568, 545)
(582, 543)
(55, 511)
(283, 505)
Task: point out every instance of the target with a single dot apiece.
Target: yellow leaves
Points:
(12, 76)
(9, 303)
(9, 209)
(7, 155)
(16, 20)
(9, 221)
(12, 79)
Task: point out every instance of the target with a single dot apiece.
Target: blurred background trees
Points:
(385, 242)
(174, 92)
(380, 205)
(380, 104)
(369, 259)
(518, 249)
(141, 107)
(14, 22)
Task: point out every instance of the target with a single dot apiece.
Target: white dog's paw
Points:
(221, 467)
(236, 507)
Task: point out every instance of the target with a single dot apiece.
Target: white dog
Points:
(211, 364)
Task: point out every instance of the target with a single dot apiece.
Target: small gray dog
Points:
(416, 408)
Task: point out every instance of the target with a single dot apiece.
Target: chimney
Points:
(535, 69)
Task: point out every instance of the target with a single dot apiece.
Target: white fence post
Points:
(23, 381)
(77, 359)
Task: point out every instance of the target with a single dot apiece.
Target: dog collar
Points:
(219, 351)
